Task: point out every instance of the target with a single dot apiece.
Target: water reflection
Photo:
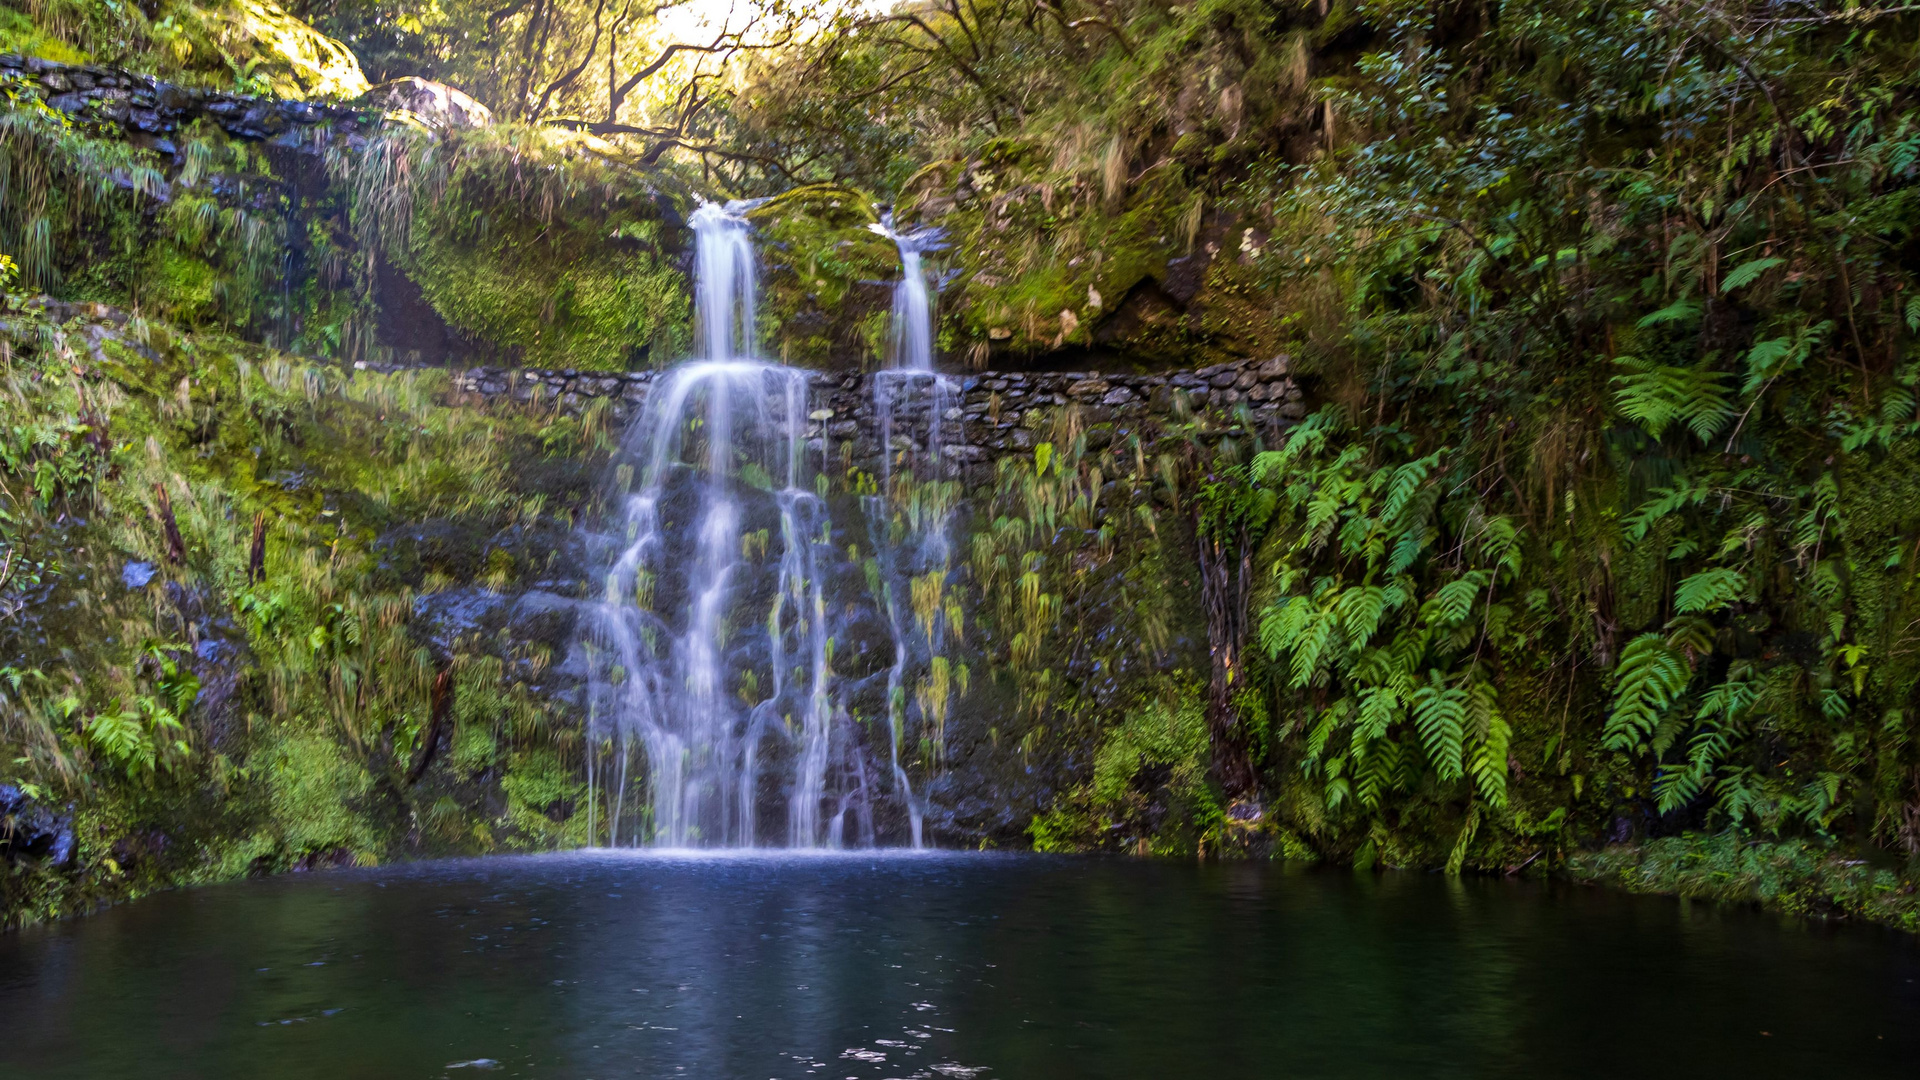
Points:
(660, 964)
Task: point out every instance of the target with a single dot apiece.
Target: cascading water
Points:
(909, 380)
(713, 479)
(909, 519)
(710, 655)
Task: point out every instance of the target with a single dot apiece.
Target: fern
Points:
(1721, 711)
(1373, 768)
(1407, 549)
(1657, 396)
(1492, 738)
(1457, 859)
(1709, 590)
(122, 739)
(1739, 795)
(1440, 715)
(1664, 502)
(1378, 707)
(1500, 544)
(1404, 482)
(1294, 625)
(1748, 272)
(1650, 677)
(1678, 311)
(1455, 599)
(1360, 611)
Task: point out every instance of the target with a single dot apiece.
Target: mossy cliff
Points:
(218, 658)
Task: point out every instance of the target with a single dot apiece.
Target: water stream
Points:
(910, 516)
(712, 640)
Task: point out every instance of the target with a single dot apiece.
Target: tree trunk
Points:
(441, 709)
(257, 552)
(176, 548)
(1225, 573)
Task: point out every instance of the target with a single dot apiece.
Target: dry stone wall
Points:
(983, 417)
(152, 112)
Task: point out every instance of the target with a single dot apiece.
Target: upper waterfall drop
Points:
(726, 280)
(912, 337)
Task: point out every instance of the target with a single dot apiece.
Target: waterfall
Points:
(710, 646)
(912, 302)
(909, 519)
(709, 641)
(909, 381)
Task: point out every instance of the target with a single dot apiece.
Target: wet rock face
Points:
(29, 830)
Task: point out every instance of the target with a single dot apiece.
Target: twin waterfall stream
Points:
(728, 588)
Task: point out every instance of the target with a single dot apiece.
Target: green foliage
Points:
(1149, 791)
(1650, 678)
(252, 46)
(267, 720)
(1651, 312)
(1804, 877)
(536, 244)
(1407, 697)
(1657, 397)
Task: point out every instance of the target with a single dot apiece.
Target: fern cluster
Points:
(1390, 606)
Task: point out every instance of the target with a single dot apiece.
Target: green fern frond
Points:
(1455, 599)
(1378, 707)
(1709, 590)
(1657, 396)
(1492, 739)
(1457, 859)
(1678, 311)
(1440, 715)
(1406, 480)
(1650, 677)
(1664, 501)
(1360, 610)
(1407, 549)
(1748, 272)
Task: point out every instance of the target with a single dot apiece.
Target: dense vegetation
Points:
(1604, 529)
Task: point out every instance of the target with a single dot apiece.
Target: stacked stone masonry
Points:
(985, 416)
(151, 113)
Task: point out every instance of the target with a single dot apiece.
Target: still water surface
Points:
(611, 965)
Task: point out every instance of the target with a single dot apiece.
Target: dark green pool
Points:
(611, 965)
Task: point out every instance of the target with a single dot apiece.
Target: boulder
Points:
(434, 104)
(30, 830)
